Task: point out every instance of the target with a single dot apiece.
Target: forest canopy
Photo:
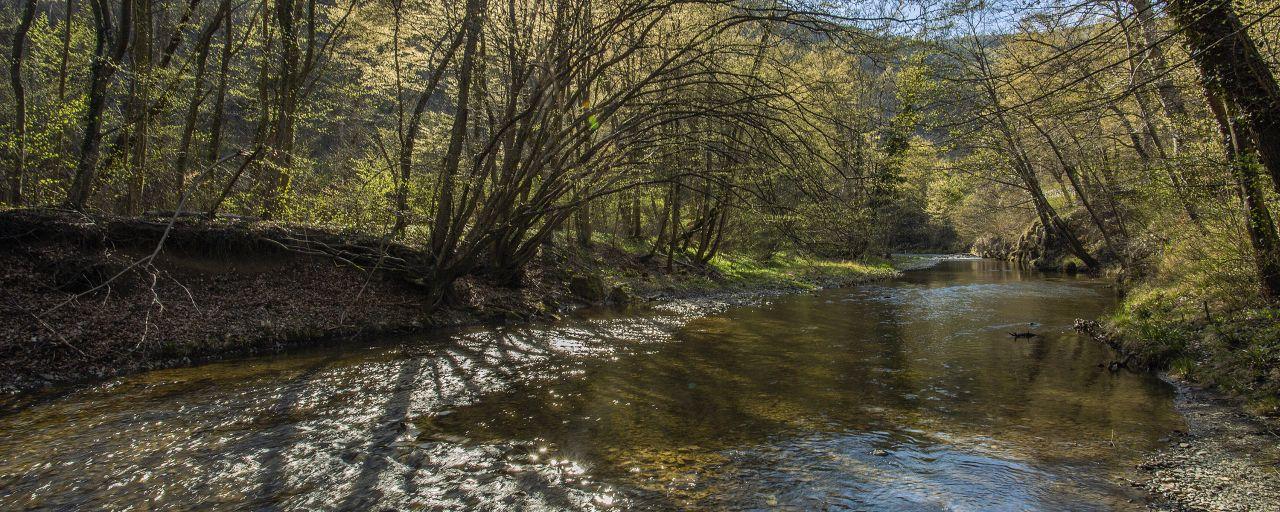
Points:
(1134, 136)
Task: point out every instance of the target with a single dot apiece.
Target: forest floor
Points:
(86, 298)
(1227, 460)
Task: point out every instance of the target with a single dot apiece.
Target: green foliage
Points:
(783, 269)
(775, 153)
(360, 199)
(1176, 328)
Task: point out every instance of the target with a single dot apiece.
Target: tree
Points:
(1229, 59)
(111, 43)
(16, 58)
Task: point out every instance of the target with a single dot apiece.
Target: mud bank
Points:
(88, 298)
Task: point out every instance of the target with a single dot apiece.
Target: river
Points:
(900, 395)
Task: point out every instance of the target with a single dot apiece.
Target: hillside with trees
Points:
(543, 254)
(485, 144)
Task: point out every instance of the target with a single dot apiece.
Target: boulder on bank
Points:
(589, 288)
(1044, 250)
(620, 296)
(991, 246)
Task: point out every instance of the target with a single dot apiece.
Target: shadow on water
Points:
(904, 395)
(389, 426)
(279, 438)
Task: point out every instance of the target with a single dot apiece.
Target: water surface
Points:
(902, 395)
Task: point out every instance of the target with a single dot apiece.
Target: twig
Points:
(159, 245)
(49, 328)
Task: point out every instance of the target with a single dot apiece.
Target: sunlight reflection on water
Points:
(904, 395)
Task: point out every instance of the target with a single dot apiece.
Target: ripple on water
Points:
(899, 396)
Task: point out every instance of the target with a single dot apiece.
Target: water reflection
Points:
(904, 395)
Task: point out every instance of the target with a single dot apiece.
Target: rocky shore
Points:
(1227, 460)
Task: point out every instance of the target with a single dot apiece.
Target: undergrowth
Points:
(1203, 321)
(621, 263)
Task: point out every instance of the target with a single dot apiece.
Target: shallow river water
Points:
(901, 395)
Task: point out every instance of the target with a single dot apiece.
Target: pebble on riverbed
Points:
(1218, 464)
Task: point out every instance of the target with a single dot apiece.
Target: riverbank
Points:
(848, 397)
(1226, 460)
(1220, 337)
(87, 298)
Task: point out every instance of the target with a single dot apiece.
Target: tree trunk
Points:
(104, 63)
(139, 113)
(219, 101)
(411, 137)
(66, 49)
(660, 235)
(1049, 218)
(1170, 97)
(1057, 224)
(197, 97)
(1242, 160)
(280, 157)
(1229, 60)
(443, 239)
(231, 182)
(633, 224)
(675, 224)
(139, 98)
(720, 225)
(20, 101)
(1070, 171)
(582, 224)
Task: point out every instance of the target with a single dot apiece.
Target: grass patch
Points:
(620, 262)
(796, 271)
(1231, 345)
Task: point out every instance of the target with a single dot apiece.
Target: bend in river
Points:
(902, 395)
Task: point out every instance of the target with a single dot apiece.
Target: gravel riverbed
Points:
(1227, 460)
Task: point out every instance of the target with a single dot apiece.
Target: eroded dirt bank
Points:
(81, 298)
